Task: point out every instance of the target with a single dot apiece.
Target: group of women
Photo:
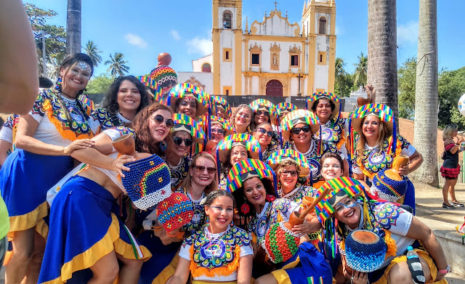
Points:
(246, 194)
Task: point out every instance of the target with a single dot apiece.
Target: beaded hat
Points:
(365, 251)
(311, 100)
(383, 112)
(164, 76)
(295, 117)
(148, 181)
(183, 122)
(341, 187)
(280, 243)
(277, 157)
(220, 101)
(175, 211)
(248, 141)
(184, 90)
(282, 107)
(246, 169)
(388, 188)
(207, 122)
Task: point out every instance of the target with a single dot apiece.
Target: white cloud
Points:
(200, 45)
(175, 35)
(407, 33)
(135, 40)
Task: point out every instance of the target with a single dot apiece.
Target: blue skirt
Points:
(24, 180)
(83, 229)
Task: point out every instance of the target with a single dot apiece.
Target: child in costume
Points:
(343, 211)
(219, 252)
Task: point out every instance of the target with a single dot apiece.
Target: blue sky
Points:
(142, 29)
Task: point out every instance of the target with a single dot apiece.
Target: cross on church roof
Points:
(276, 5)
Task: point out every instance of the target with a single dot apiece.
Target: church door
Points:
(274, 88)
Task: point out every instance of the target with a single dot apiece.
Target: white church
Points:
(272, 57)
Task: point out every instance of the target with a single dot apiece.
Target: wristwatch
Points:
(445, 271)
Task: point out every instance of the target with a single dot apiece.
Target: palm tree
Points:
(382, 51)
(93, 52)
(426, 93)
(117, 64)
(73, 27)
(360, 75)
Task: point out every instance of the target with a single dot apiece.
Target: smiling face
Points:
(182, 149)
(331, 168)
(370, 127)
(159, 131)
(128, 97)
(288, 177)
(75, 77)
(303, 138)
(243, 118)
(255, 192)
(238, 153)
(203, 172)
(220, 213)
(217, 133)
(261, 134)
(323, 110)
(348, 212)
(188, 106)
(261, 116)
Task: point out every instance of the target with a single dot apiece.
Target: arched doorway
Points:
(274, 88)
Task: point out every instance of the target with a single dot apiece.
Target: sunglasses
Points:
(178, 141)
(159, 118)
(218, 131)
(290, 173)
(262, 112)
(296, 130)
(263, 131)
(210, 170)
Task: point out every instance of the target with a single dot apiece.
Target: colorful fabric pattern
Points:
(163, 76)
(196, 129)
(175, 211)
(106, 118)
(251, 144)
(198, 219)
(234, 180)
(218, 100)
(284, 106)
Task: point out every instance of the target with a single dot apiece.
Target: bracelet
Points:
(444, 271)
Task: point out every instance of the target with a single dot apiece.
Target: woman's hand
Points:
(310, 225)
(77, 145)
(118, 164)
(359, 278)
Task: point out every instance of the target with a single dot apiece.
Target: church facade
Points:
(271, 57)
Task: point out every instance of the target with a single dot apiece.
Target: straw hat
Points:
(277, 157)
(311, 100)
(284, 106)
(246, 169)
(220, 101)
(248, 141)
(295, 117)
(383, 112)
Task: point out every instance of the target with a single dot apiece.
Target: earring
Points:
(245, 208)
(58, 84)
(270, 198)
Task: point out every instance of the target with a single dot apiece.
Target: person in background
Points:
(241, 119)
(264, 135)
(18, 67)
(450, 168)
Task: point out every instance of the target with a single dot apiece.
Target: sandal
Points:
(457, 204)
(447, 205)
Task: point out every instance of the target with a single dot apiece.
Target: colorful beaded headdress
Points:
(206, 124)
(156, 89)
(175, 211)
(365, 251)
(245, 169)
(282, 155)
(295, 117)
(284, 106)
(325, 95)
(248, 141)
(164, 76)
(148, 182)
(280, 243)
(194, 128)
(340, 186)
(218, 100)
(182, 90)
(265, 105)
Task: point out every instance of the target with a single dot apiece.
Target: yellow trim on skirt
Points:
(28, 220)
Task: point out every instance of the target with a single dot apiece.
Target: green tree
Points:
(360, 74)
(451, 85)
(406, 83)
(55, 36)
(343, 82)
(117, 65)
(99, 84)
(93, 52)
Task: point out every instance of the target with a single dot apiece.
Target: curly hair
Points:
(110, 102)
(288, 162)
(144, 140)
(236, 111)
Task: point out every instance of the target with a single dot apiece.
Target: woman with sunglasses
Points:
(124, 99)
(200, 181)
(241, 119)
(399, 230)
(264, 135)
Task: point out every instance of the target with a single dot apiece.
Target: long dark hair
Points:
(110, 102)
(239, 196)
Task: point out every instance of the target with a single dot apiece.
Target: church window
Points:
(206, 67)
(322, 26)
(322, 58)
(294, 60)
(227, 20)
(227, 54)
(255, 59)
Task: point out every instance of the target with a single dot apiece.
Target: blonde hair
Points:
(232, 120)
(448, 132)
(384, 134)
(186, 183)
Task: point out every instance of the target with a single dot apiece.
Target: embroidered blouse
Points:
(179, 172)
(312, 157)
(297, 194)
(333, 136)
(106, 119)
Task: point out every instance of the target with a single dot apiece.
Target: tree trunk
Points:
(426, 93)
(73, 27)
(382, 51)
